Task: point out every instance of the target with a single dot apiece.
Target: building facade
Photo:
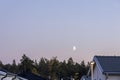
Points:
(106, 68)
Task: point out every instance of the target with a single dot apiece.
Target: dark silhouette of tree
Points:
(49, 69)
(26, 64)
(43, 67)
(14, 68)
(1, 64)
(54, 66)
(70, 67)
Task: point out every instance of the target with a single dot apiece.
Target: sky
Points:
(49, 28)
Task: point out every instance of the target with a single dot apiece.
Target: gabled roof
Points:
(4, 72)
(7, 74)
(31, 76)
(108, 64)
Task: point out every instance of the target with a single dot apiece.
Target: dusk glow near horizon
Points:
(64, 28)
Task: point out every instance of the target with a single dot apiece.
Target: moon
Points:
(74, 48)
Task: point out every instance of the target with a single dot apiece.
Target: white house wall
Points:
(97, 74)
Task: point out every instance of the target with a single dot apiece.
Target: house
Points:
(30, 76)
(105, 68)
(4, 75)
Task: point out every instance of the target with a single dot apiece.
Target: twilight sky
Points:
(47, 28)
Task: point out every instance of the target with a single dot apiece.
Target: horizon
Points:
(52, 28)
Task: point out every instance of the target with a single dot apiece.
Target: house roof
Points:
(7, 75)
(31, 76)
(4, 72)
(108, 64)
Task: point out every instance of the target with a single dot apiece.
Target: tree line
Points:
(50, 69)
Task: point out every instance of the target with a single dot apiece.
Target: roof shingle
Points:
(109, 64)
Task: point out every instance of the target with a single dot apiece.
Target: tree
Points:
(83, 70)
(70, 61)
(54, 66)
(14, 68)
(70, 67)
(26, 64)
(63, 70)
(43, 67)
(52, 69)
(1, 64)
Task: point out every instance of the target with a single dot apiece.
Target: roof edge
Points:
(98, 64)
(112, 73)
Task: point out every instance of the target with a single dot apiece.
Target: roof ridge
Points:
(105, 56)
